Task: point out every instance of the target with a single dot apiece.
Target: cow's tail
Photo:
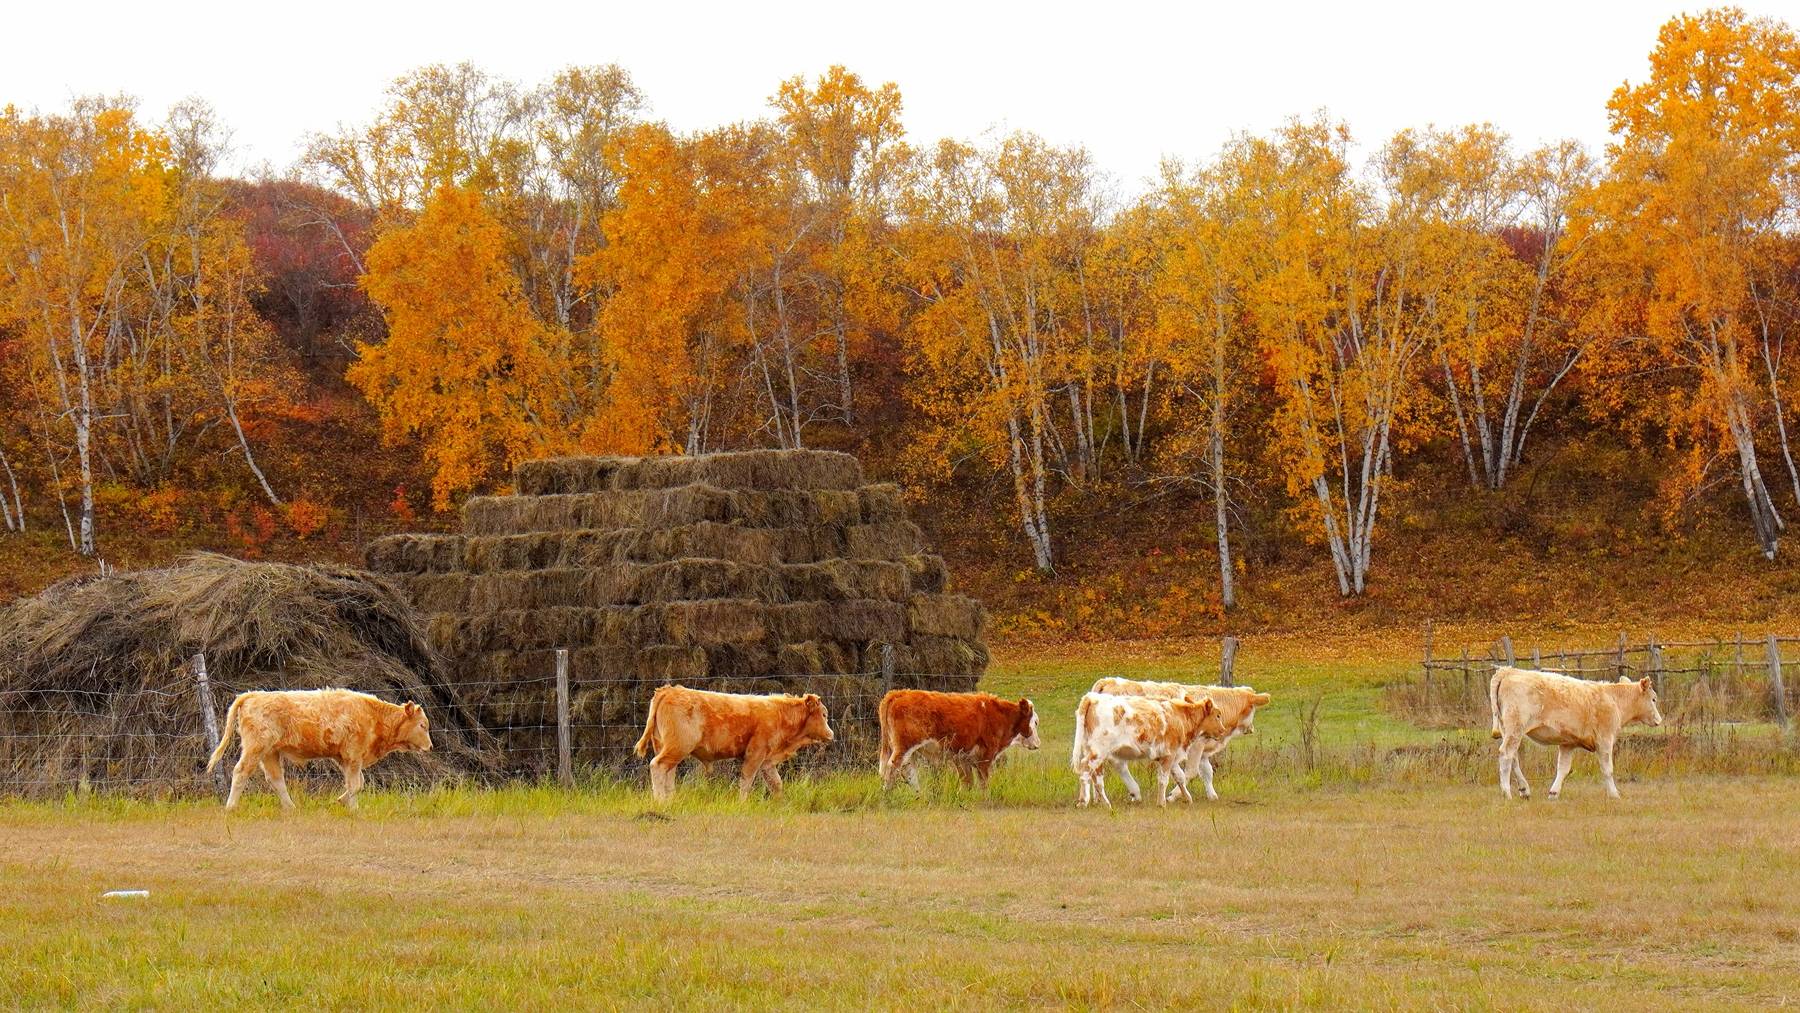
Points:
(647, 742)
(889, 745)
(225, 734)
(1080, 745)
(1494, 702)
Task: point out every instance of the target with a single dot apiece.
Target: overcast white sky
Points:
(1131, 81)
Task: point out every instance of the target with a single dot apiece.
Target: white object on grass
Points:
(126, 893)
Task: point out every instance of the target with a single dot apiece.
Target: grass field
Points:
(1385, 886)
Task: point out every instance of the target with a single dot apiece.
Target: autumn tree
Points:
(1697, 201)
(467, 368)
(1497, 287)
(998, 239)
(843, 150)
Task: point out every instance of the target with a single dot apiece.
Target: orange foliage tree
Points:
(1692, 228)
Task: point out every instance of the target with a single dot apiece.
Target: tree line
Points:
(549, 270)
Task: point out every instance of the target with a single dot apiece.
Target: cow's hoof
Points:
(1551, 796)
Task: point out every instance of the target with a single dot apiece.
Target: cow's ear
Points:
(1644, 684)
(1259, 699)
(1025, 704)
(412, 709)
(1206, 707)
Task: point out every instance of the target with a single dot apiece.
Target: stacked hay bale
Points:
(761, 571)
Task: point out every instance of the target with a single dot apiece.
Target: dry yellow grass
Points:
(1680, 896)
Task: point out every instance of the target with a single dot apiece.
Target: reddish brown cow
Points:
(352, 729)
(763, 731)
(972, 728)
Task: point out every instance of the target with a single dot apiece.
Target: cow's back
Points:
(312, 724)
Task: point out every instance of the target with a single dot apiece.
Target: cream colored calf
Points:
(1570, 714)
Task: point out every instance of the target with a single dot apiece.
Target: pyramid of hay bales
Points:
(760, 571)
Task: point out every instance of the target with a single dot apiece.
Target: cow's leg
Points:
(1162, 780)
(1097, 776)
(1181, 783)
(1519, 772)
(240, 773)
(983, 771)
(353, 782)
(753, 763)
(271, 766)
(1131, 785)
(772, 777)
(1509, 767)
(1605, 755)
(662, 776)
(1565, 757)
(886, 764)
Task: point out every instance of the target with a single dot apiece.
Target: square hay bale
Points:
(687, 579)
(879, 504)
(863, 619)
(438, 592)
(720, 621)
(800, 659)
(888, 540)
(671, 663)
(415, 554)
(796, 622)
(739, 661)
(566, 585)
(712, 540)
(842, 579)
(500, 553)
(500, 592)
(945, 615)
(688, 504)
(948, 656)
(928, 573)
(568, 475)
(749, 469)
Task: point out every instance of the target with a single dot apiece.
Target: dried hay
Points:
(843, 579)
(98, 667)
(887, 540)
(415, 554)
(751, 469)
(945, 615)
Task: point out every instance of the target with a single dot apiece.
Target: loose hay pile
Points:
(761, 571)
(95, 683)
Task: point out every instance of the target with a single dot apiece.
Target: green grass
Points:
(1379, 869)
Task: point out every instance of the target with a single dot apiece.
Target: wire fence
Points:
(156, 741)
(1744, 679)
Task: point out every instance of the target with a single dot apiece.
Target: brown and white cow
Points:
(1568, 713)
(1119, 729)
(349, 728)
(971, 728)
(762, 731)
(1236, 706)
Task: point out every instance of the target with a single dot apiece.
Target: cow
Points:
(352, 729)
(762, 731)
(972, 728)
(1568, 713)
(1118, 729)
(1237, 712)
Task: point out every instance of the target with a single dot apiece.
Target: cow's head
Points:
(1206, 714)
(1247, 724)
(415, 728)
(1647, 711)
(1025, 726)
(818, 723)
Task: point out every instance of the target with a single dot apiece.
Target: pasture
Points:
(1354, 859)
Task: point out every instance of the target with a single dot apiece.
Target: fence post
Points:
(565, 762)
(1227, 660)
(1537, 657)
(208, 715)
(1656, 664)
(887, 668)
(1776, 687)
(1506, 649)
(1623, 671)
(1428, 633)
(1465, 675)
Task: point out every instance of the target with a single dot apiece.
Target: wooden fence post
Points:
(1776, 687)
(887, 668)
(1428, 633)
(1621, 662)
(1465, 675)
(1656, 664)
(565, 760)
(1227, 660)
(208, 716)
(1537, 657)
(1506, 650)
